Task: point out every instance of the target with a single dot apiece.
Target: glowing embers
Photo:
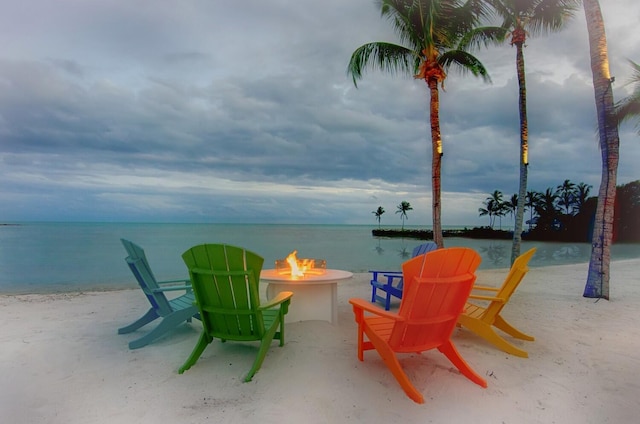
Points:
(298, 269)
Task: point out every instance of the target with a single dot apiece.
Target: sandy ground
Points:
(61, 361)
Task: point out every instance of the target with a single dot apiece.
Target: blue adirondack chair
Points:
(391, 282)
(172, 312)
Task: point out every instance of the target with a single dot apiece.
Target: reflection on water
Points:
(497, 253)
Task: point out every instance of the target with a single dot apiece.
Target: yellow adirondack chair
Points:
(481, 320)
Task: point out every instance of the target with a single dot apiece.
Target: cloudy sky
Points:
(242, 111)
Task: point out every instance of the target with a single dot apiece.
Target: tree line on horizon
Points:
(567, 213)
(436, 35)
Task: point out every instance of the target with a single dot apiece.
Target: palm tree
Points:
(487, 210)
(548, 212)
(629, 107)
(435, 34)
(533, 197)
(403, 207)
(493, 207)
(522, 18)
(597, 285)
(566, 195)
(511, 205)
(582, 194)
(378, 213)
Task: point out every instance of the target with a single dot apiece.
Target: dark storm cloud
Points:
(243, 111)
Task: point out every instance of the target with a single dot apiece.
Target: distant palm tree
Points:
(582, 194)
(378, 213)
(511, 206)
(629, 107)
(547, 210)
(533, 197)
(493, 207)
(566, 195)
(597, 285)
(403, 207)
(436, 34)
(522, 18)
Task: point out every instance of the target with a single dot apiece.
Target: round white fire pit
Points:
(315, 296)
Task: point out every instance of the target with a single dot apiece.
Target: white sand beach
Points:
(61, 361)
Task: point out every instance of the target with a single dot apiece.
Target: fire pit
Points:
(314, 286)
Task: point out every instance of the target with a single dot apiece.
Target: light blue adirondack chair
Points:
(391, 282)
(172, 312)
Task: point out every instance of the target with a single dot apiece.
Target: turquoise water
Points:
(49, 257)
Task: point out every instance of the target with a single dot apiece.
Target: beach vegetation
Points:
(435, 35)
(523, 19)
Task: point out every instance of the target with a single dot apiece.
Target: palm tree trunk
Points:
(524, 153)
(436, 162)
(598, 277)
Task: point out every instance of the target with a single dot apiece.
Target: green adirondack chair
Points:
(225, 282)
(172, 312)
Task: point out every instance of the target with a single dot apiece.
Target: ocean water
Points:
(54, 257)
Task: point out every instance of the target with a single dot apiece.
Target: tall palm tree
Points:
(378, 213)
(629, 107)
(597, 285)
(435, 35)
(403, 207)
(522, 18)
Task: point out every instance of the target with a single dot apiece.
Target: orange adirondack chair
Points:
(436, 287)
(481, 320)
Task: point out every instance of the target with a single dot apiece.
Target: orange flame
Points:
(298, 267)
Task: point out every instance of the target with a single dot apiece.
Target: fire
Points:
(298, 268)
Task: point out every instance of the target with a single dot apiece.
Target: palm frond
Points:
(465, 63)
(388, 57)
(482, 37)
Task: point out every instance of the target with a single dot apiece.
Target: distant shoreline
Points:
(477, 233)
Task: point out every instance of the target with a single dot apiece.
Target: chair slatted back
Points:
(437, 286)
(225, 283)
(517, 272)
(137, 262)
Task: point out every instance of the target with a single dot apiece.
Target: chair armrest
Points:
(369, 307)
(186, 287)
(280, 298)
(182, 280)
(489, 298)
(486, 288)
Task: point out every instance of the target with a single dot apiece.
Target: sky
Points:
(241, 111)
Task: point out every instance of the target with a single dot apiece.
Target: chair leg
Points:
(265, 343)
(453, 355)
(503, 325)
(142, 321)
(203, 341)
(167, 324)
(488, 333)
(391, 361)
